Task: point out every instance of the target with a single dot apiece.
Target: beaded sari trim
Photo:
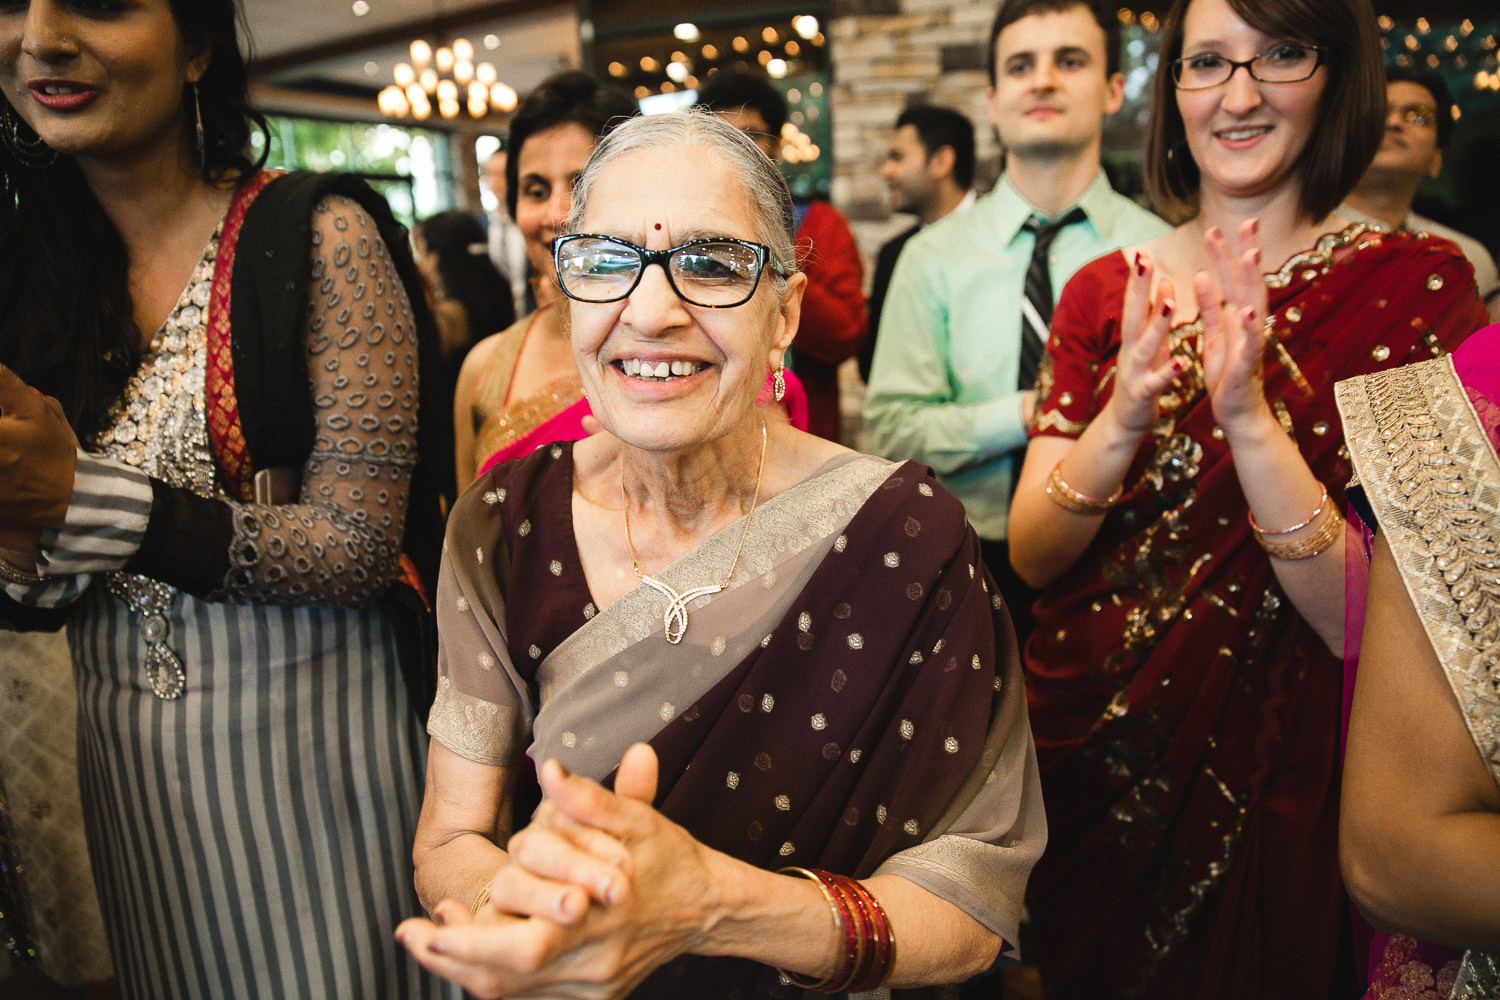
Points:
(1433, 480)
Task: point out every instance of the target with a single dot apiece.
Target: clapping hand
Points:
(1144, 367)
(1232, 303)
(601, 889)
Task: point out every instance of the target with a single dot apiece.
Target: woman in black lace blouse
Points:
(216, 493)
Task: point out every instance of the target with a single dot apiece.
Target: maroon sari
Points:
(852, 701)
(1186, 718)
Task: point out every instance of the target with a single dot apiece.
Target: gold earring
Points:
(22, 142)
(778, 383)
(198, 131)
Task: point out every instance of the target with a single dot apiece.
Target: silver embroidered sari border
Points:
(611, 684)
(1433, 481)
(781, 528)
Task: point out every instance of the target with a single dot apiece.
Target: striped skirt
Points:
(251, 838)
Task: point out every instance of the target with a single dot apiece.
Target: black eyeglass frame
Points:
(662, 257)
(1248, 65)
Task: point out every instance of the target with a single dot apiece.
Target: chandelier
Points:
(445, 79)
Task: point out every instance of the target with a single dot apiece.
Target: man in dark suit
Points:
(929, 169)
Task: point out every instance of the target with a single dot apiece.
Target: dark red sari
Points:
(851, 701)
(1185, 716)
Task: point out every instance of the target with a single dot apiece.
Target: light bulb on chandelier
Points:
(447, 79)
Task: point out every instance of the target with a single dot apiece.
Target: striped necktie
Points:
(1036, 306)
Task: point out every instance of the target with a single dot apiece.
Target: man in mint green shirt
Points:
(946, 381)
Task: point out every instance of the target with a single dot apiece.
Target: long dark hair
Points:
(66, 320)
(468, 274)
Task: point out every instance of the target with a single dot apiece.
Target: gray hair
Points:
(764, 185)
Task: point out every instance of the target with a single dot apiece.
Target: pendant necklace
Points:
(675, 618)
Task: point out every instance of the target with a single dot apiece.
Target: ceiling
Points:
(319, 57)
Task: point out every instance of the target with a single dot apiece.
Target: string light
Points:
(781, 50)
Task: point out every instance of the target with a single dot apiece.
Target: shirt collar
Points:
(963, 206)
(1011, 210)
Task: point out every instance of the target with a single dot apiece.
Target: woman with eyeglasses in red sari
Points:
(1180, 505)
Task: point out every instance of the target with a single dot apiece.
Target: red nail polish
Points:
(1167, 309)
(1140, 265)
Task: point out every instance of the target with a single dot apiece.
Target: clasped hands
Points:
(1232, 304)
(599, 890)
(38, 451)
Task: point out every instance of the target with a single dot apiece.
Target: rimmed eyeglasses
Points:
(716, 273)
(1284, 63)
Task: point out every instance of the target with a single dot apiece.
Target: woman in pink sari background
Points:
(519, 388)
(1420, 809)
(575, 422)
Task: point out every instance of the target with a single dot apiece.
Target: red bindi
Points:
(658, 227)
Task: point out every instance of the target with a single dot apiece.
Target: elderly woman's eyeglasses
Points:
(716, 273)
(1284, 63)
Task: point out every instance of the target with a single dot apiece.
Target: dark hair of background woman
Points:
(469, 277)
(566, 98)
(1351, 111)
(67, 326)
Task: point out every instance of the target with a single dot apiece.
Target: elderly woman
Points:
(803, 637)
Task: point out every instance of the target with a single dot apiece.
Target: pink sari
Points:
(1400, 967)
(568, 425)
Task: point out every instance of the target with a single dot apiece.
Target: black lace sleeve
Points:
(340, 543)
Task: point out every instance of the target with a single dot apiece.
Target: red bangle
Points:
(869, 944)
(864, 947)
(884, 951)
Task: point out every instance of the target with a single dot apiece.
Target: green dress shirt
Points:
(943, 381)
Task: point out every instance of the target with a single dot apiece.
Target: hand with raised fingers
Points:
(1144, 367)
(38, 451)
(602, 890)
(1232, 301)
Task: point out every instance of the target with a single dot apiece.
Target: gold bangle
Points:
(1322, 502)
(841, 966)
(1320, 538)
(1070, 499)
(480, 900)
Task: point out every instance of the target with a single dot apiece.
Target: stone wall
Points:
(887, 54)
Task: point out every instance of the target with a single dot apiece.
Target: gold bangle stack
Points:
(1066, 497)
(1327, 527)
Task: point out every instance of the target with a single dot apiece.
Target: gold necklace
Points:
(675, 619)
